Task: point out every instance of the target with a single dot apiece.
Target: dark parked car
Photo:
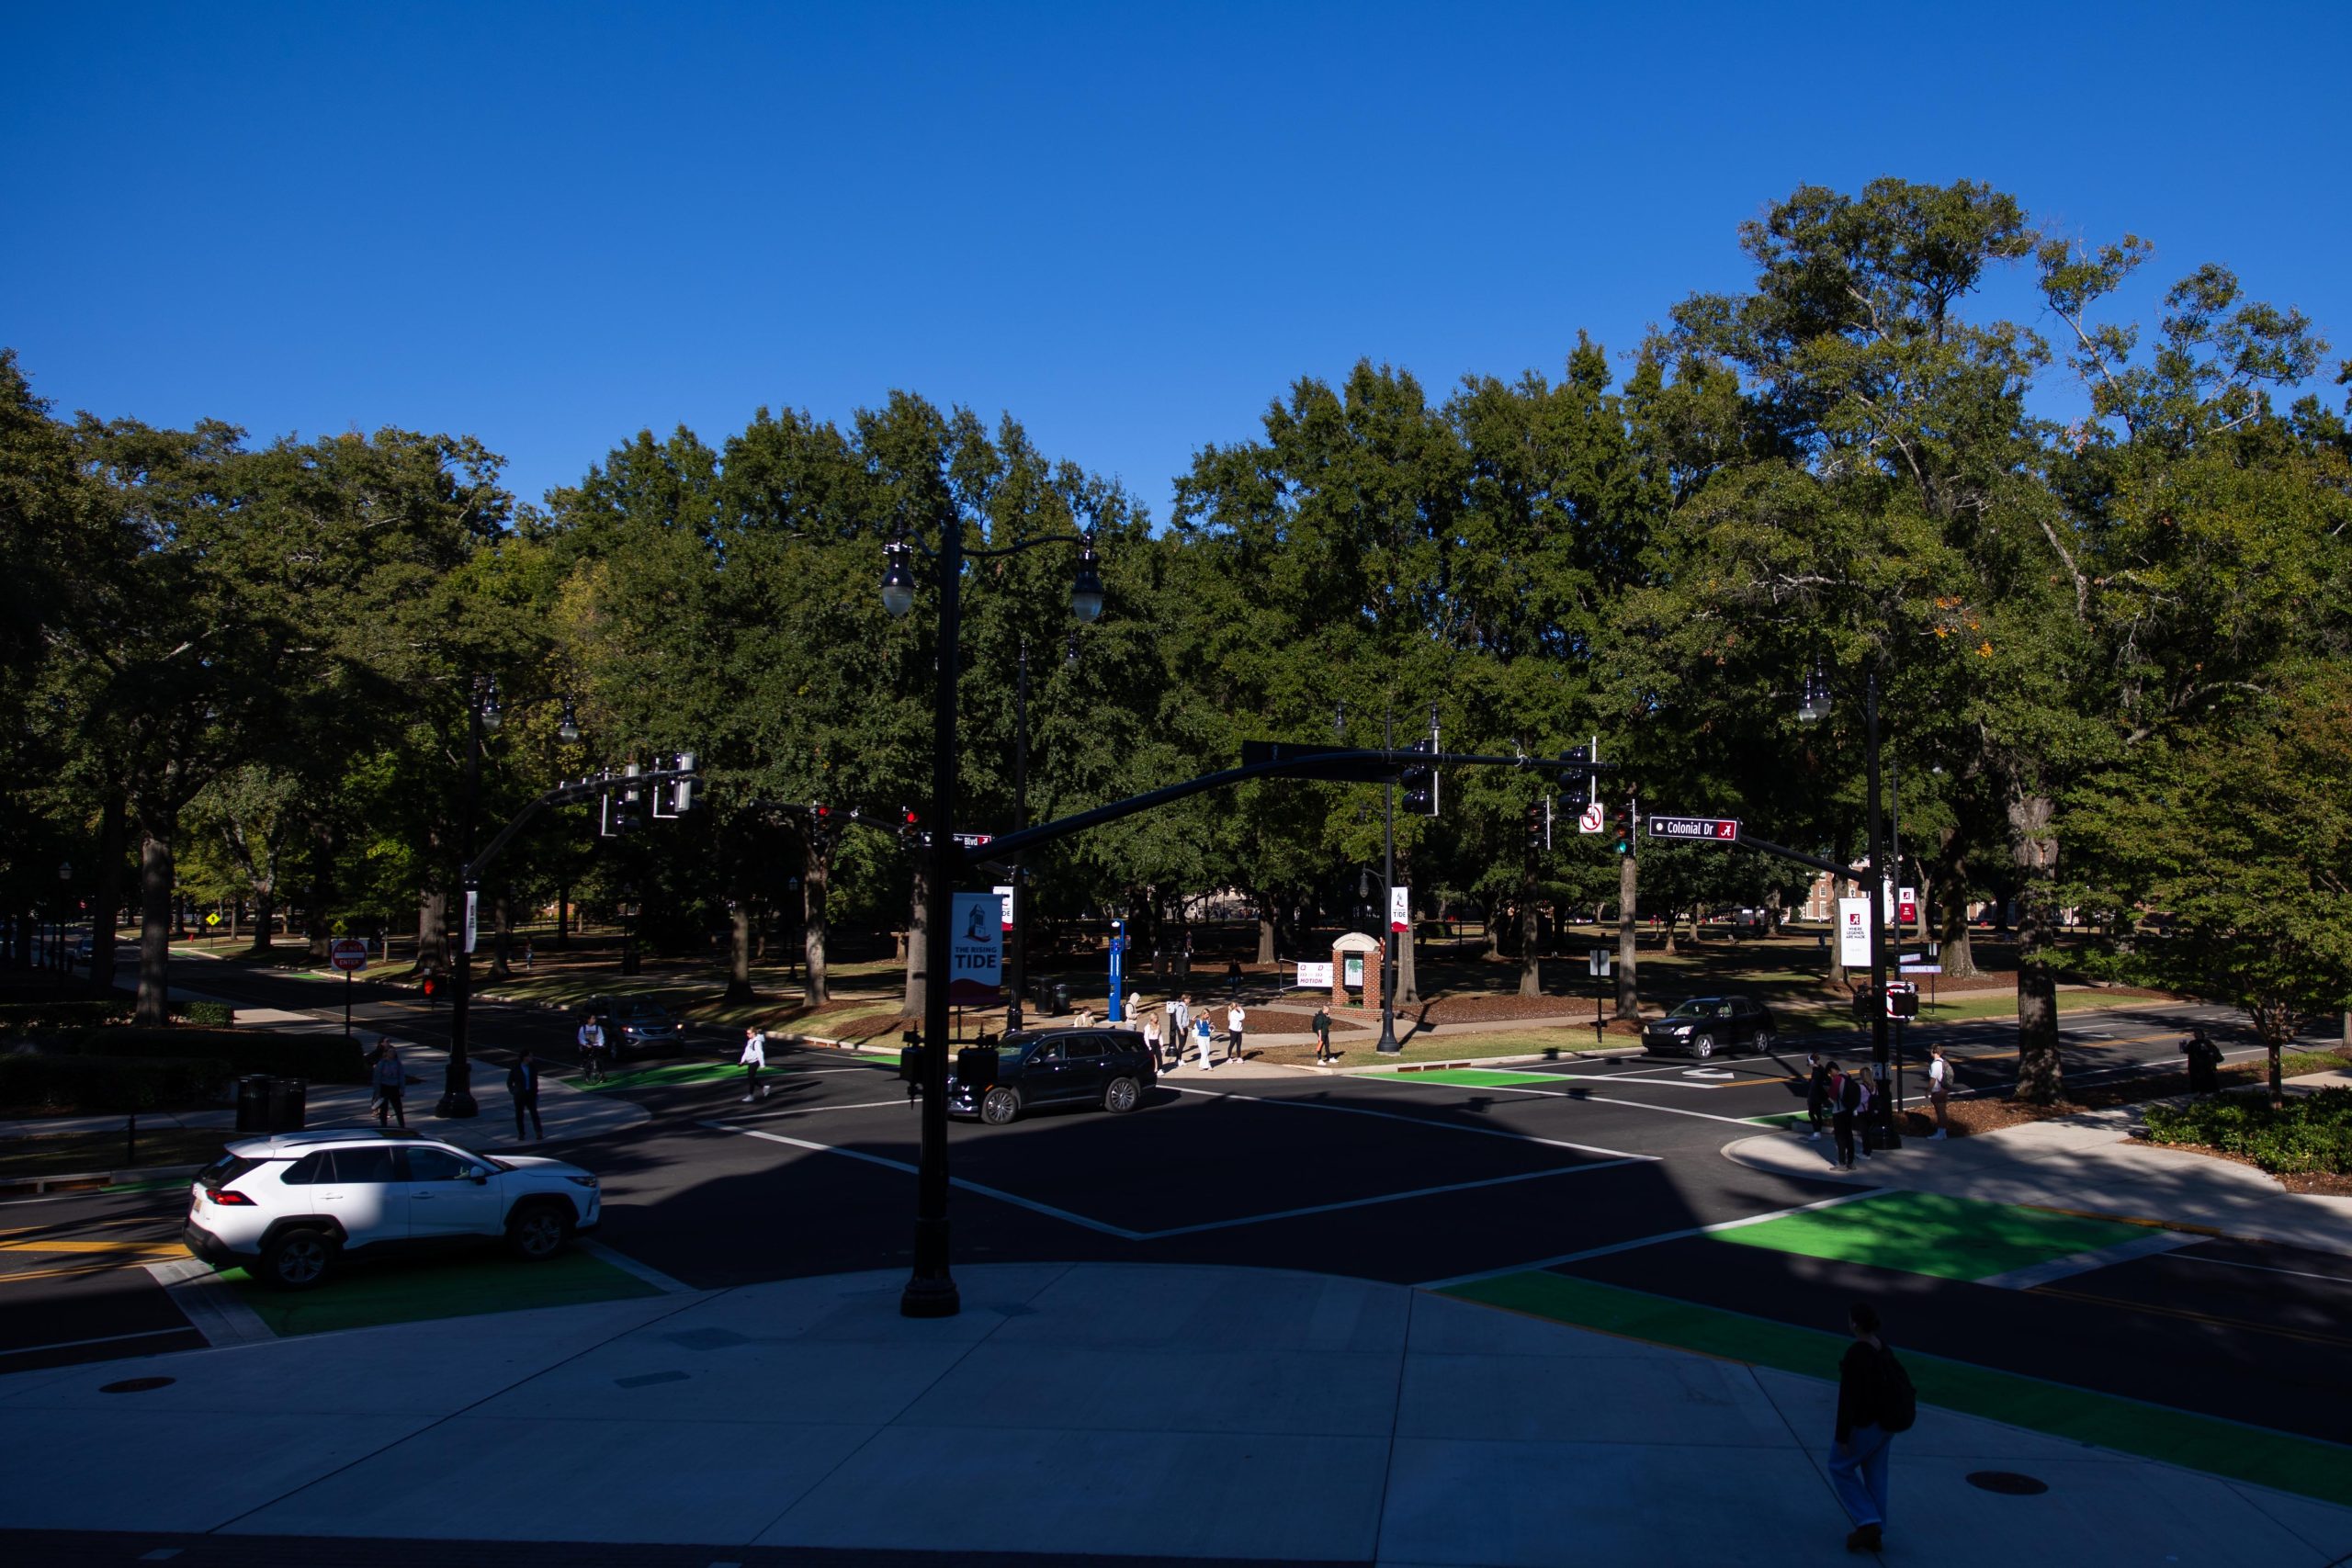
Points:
(634, 1027)
(1704, 1026)
(1108, 1068)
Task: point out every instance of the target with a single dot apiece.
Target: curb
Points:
(93, 1180)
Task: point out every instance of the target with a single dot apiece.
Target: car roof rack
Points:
(343, 1134)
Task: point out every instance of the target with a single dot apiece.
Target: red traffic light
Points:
(428, 984)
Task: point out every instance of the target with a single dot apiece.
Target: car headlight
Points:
(582, 1180)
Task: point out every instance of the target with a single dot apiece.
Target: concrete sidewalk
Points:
(2087, 1164)
(1150, 1410)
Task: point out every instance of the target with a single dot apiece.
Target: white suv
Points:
(289, 1205)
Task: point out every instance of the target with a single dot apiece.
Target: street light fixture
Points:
(930, 1289)
(568, 727)
(1812, 709)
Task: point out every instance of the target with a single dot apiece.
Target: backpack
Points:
(1898, 1403)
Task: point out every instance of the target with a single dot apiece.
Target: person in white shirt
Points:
(1939, 1086)
(1150, 1025)
(754, 1057)
(1234, 1019)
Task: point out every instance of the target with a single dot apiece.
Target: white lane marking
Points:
(999, 1193)
(1126, 1235)
(1423, 1120)
(1706, 1073)
(2267, 1268)
(211, 1306)
(1391, 1197)
(2075, 1263)
(903, 1102)
(1653, 1240)
(628, 1265)
(1580, 1098)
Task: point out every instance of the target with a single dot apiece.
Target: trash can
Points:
(286, 1104)
(252, 1104)
(1060, 998)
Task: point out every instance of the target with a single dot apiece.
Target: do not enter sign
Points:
(347, 953)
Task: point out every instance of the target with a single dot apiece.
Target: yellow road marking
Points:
(127, 1248)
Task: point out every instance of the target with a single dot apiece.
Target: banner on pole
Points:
(1854, 933)
(1400, 908)
(473, 900)
(975, 948)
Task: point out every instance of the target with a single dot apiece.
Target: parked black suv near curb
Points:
(1108, 1068)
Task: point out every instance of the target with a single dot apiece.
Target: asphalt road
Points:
(1406, 1177)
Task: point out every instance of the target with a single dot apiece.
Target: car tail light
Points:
(229, 1197)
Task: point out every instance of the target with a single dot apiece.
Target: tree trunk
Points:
(316, 925)
(1673, 918)
(1629, 1000)
(106, 895)
(502, 946)
(1952, 916)
(1265, 929)
(1531, 962)
(815, 885)
(2035, 849)
(264, 916)
(154, 923)
(563, 916)
(918, 949)
(1408, 987)
(738, 950)
(431, 931)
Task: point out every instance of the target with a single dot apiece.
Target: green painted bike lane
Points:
(1954, 1239)
(372, 1296)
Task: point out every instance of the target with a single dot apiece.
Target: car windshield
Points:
(644, 1012)
(1013, 1048)
(1703, 1007)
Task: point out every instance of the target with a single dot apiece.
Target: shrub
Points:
(2310, 1135)
(63, 1012)
(33, 1083)
(322, 1058)
(206, 1015)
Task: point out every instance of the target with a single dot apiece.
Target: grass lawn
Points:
(70, 1154)
(1444, 1046)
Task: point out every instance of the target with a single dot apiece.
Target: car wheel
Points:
(999, 1106)
(1121, 1095)
(540, 1230)
(297, 1260)
(1703, 1046)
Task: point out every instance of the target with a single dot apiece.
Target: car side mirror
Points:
(479, 1179)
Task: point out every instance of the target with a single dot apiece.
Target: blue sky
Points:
(1130, 227)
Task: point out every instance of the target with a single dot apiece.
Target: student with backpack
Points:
(1876, 1401)
(1845, 1100)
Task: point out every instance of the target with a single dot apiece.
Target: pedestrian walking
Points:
(754, 1057)
(528, 956)
(1235, 1018)
(1876, 1402)
(1323, 1052)
(1845, 1099)
(1180, 1026)
(1816, 1094)
(522, 1086)
(390, 1078)
(1152, 1037)
(1085, 1019)
(1202, 1034)
(592, 1049)
(1939, 1086)
(1134, 1008)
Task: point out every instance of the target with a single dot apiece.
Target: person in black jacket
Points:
(1817, 1093)
(1857, 1459)
(1845, 1100)
(523, 1083)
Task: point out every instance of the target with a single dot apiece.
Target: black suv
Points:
(634, 1027)
(1704, 1026)
(1108, 1068)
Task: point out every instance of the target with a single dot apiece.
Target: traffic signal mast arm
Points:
(568, 792)
(1287, 761)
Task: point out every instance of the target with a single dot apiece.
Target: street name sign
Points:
(1715, 829)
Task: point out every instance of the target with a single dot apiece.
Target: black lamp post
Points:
(485, 712)
(930, 1289)
(1814, 707)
